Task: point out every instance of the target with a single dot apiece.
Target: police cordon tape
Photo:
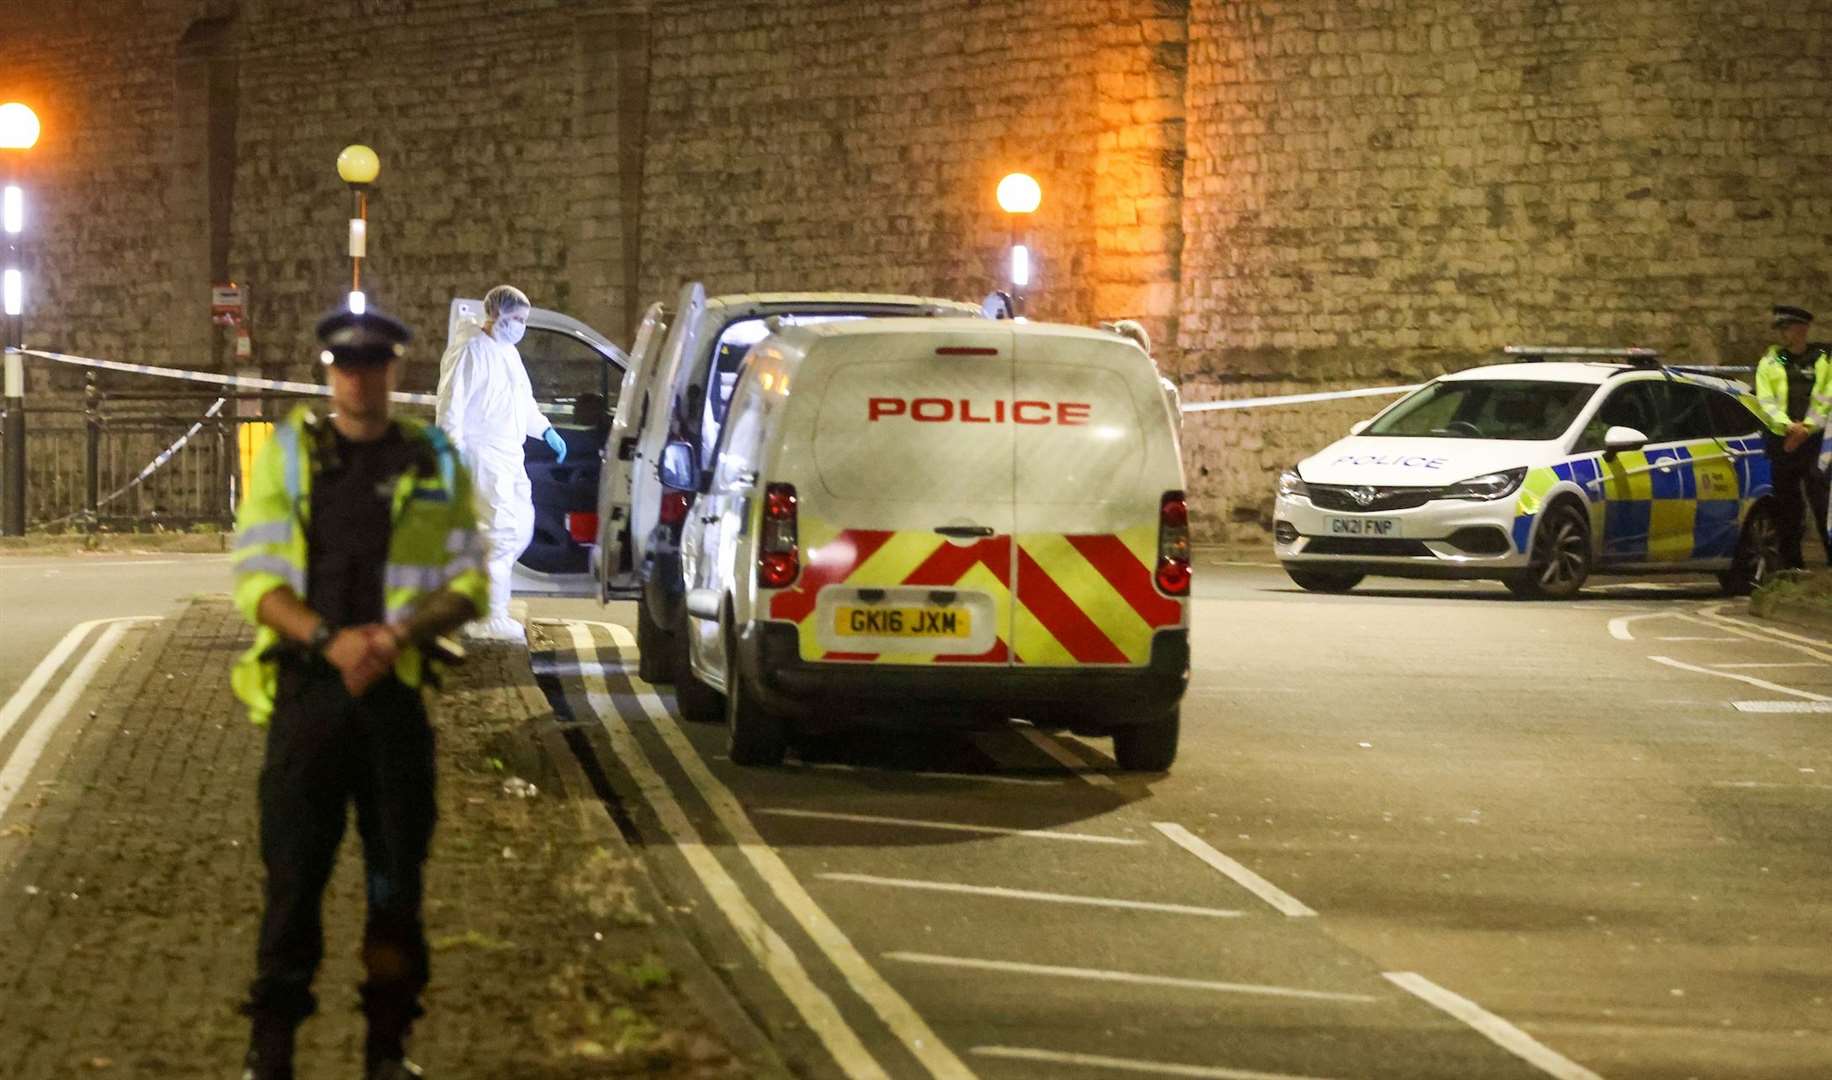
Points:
(289, 387)
(152, 466)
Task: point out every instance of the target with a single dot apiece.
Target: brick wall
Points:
(1292, 193)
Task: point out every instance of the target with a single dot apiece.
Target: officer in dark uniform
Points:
(1794, 395)
(351, 591)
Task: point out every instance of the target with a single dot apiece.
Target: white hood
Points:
(1403, 462)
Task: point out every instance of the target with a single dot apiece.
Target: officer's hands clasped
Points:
(363, 655)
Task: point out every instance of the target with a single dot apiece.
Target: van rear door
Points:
(905, 517)
(617, 578)
(1094, 457)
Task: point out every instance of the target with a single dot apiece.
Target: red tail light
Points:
(583, 528)
(674, 507)
(778, 556)
(1173, 574)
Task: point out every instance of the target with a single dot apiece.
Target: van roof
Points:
(794, 298)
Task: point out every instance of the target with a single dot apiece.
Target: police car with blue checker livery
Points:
(1539, 475)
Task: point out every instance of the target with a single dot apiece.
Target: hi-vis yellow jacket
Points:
(1771, 391)
(434, 544)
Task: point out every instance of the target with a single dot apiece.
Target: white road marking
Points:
(1618, 626)
(1752, 667)
(1782, 706)
(1768, 784)
(1011, 967)
(35, 682)
(1027, 894)
(1492, 1027)
(84, 564)
(45, 724)
(772, 953)
(1062, 756)
(1713, 617)
(1639, 586)
(1115, 1064)
(1750, 679)
(950, 826)
(989, 778)
(1715, 639)
(892, 1009)
(1245, 878)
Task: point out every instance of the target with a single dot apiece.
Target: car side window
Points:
(1632, 405)
(1730, 418)
(562, 367)
(1688, 413)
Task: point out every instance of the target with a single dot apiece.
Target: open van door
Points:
(649, 424)
(576, 374)
(613, 559)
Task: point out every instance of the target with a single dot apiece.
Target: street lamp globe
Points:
(358, 165)
(18, 127)
(1019, 194)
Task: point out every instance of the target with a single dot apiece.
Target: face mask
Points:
(508, 331)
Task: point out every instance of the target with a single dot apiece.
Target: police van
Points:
(678, 380)
(940, 522)
(1539, 474)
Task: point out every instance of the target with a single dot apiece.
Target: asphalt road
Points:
(44, 596)
(1492, 839)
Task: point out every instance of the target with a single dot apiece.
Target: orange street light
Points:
(18, 133)
(358, 166)
(18, 127)
(1019, 195)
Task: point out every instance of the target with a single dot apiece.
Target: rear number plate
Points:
(1363, 526)
(905, 622)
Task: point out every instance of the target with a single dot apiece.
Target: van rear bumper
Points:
(827, 695)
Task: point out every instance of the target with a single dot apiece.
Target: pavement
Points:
(130, 886)
(1416, 832)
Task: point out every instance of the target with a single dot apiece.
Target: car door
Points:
(653, 425)
(1627, 479)
(1705, 516)
(615, 568)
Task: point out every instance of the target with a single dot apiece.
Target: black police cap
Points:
(368, 338)
(1784, 315)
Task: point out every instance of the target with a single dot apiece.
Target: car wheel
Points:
(654, 648)
(1758, 554)
(758, 736)
(1323, 580)
(1559, 563)
(1149, 747)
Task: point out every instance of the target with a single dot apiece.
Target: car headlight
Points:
(1291, 484)
(1493, 485)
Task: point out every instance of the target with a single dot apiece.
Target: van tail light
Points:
(583, 528)
(1173, 574)
(674, 507)
(778, 556)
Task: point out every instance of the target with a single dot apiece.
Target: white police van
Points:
(1539, 475)
(940, 522)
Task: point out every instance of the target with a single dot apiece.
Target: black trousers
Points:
(325, 751)
(1798, 485)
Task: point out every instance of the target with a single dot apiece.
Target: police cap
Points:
(1786, 315)
(362, 339)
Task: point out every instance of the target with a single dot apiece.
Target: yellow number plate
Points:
(903, 622)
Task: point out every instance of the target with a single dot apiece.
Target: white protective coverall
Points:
(486, 406)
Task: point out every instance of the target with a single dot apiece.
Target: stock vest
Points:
(1786, 393)
(433, 543)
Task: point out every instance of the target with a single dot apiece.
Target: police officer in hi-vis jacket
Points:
(356, 546)
(1794, 390)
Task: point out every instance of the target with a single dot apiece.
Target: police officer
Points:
(356, 548)
(1794, 390)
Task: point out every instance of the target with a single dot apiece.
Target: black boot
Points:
(270, 1051)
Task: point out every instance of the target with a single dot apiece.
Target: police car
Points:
(1539, 474)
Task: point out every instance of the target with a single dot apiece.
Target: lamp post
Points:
(18, 133)
(1019, 196)
(357, 165)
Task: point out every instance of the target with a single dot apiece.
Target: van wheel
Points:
(654, 648)
(1149, 747)
(1758, 554)
(1559, 563)
(699, 703)
(758, 736)
(1323, 580)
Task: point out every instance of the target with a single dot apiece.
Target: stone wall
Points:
(1378, 191)
(1294, 194)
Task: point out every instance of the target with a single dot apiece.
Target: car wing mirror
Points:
(1618, 439)
(677, 468)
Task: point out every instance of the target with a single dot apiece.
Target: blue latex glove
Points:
(558, 444)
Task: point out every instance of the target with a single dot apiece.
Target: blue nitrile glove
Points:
(558, 444)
